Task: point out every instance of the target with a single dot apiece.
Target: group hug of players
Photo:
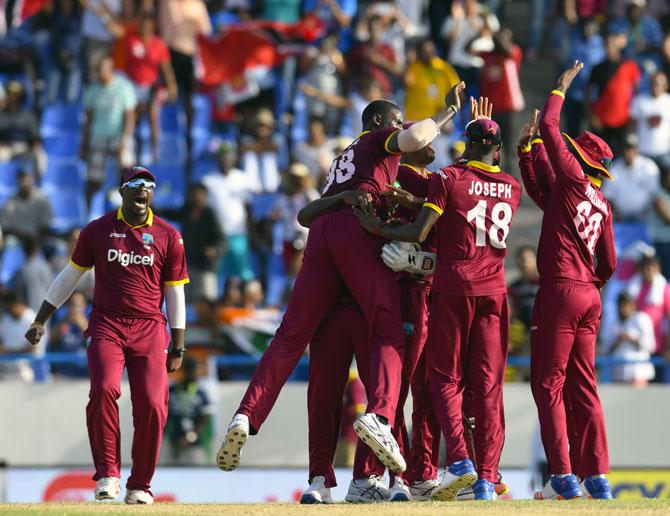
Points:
(387, 270)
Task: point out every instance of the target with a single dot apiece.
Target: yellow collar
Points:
(364, 132)
(596, 182)
(494, 169)
(149, 221)
(415, 169)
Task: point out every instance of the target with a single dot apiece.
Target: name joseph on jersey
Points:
(500, 190)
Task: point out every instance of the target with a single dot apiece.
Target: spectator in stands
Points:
(428, 79)
(66, 45)
(630, 337)
(203, 243)
(468, 31)
(189, 424)
(110, 123)
(27, 214)
(252, 295)
(67, 336)
(324, 69)
(98, 40)
(522, 291)
(297, 193)
(316, 153)
(366, 89)
(60, 259)
(259, 150)
(181, 22)
(650, 115)
(335, 15)
(612, 84)
(15, 318)
(500, 82)
(665, 55)
(34, 278)
(230, 191)
(651, 292)
(19, 132)
(637, 181)
(586, 46)
(645, 35)
(659, 225)
(375, 58)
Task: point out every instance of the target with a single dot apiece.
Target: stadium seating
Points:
(69, 209)
(13, 259)
(63, 145)
(61, 120)
(64, 174)
(170, 189)
(173, 119)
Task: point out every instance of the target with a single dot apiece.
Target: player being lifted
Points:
(340, 254)
(473, 204)
(566, 315)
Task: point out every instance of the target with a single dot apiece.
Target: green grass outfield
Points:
(502, 508)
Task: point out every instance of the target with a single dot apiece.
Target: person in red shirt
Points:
(139, 263)
(370, 163)
(472, 205)
(566, 315)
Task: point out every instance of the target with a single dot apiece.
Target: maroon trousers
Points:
(564, 325)
(140, 345)
(339, 254)
(468, 339)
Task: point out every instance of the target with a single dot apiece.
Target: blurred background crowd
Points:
(239, 107)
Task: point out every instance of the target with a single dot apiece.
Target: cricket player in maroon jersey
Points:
(577, 224)
(468, 326)
(139, 262)
(329, 264)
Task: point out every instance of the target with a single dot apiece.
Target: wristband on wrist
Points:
(178, 353)
(453, 108)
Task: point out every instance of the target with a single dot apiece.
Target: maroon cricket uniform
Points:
(423, 451)
(468, 324)
(340, 255)
(536, 173)
(127, 328)
(577, 223)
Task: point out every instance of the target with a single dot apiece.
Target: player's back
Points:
(472, 231)
(367, 164)
(574, 219)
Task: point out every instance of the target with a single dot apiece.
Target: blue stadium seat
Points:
(170, 188)
(8, 173)
(202, 112)
(64, 145)
(13, 259)
(201, 138)
(69, 210)
(173, 119)
(58, 119)
(65, 174)
(202, 167)
(172, 148)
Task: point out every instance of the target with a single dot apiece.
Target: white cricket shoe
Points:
(368, 490)
(317, 492)
(457, 476)
(400, 492)
(138, 497)
(107, 488)
(422, 490)
(228, 457)
(378, 437)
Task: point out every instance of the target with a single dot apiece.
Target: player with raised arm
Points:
(566, 315)
(340, 254)
(473, 205)
(139, 262)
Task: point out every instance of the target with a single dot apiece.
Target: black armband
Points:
(178, 353)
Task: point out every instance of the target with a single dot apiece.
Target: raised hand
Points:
(566, 78)
(529, 129)
(454, 97)
(481, 108)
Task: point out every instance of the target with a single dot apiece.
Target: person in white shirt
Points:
(631, 337)
(316, 153)
(16, 317)
(637, 181)
(650, 113)
(230, 190)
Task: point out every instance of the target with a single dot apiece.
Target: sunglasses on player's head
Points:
(140, 181)
(606, 162)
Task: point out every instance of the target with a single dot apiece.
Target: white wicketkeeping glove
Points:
(404, 256)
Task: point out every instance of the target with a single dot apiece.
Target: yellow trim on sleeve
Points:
(386, 144)
(536, 141)
(525, 149)
(176, 282)
(364, 132)
(483, 166)
(149, 221)
(76, 266)
(433, 207)
(559, 93)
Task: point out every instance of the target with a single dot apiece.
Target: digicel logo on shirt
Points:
(125, 259)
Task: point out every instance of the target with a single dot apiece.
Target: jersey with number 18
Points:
(476, 203)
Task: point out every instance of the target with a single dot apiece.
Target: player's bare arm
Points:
(309, 213)
(425, 131)
(528, 130)
(566, 78)
(415, 232)
(403, 197)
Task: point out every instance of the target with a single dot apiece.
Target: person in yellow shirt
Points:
(427, 79)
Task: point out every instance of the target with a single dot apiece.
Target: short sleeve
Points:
(383, 136)
(441, 185)
(83, 257)
(174, 269)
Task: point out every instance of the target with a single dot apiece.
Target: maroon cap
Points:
(594, 151)
(134, 172)
(483, 130)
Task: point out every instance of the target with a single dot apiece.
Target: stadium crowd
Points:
(240, 106)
